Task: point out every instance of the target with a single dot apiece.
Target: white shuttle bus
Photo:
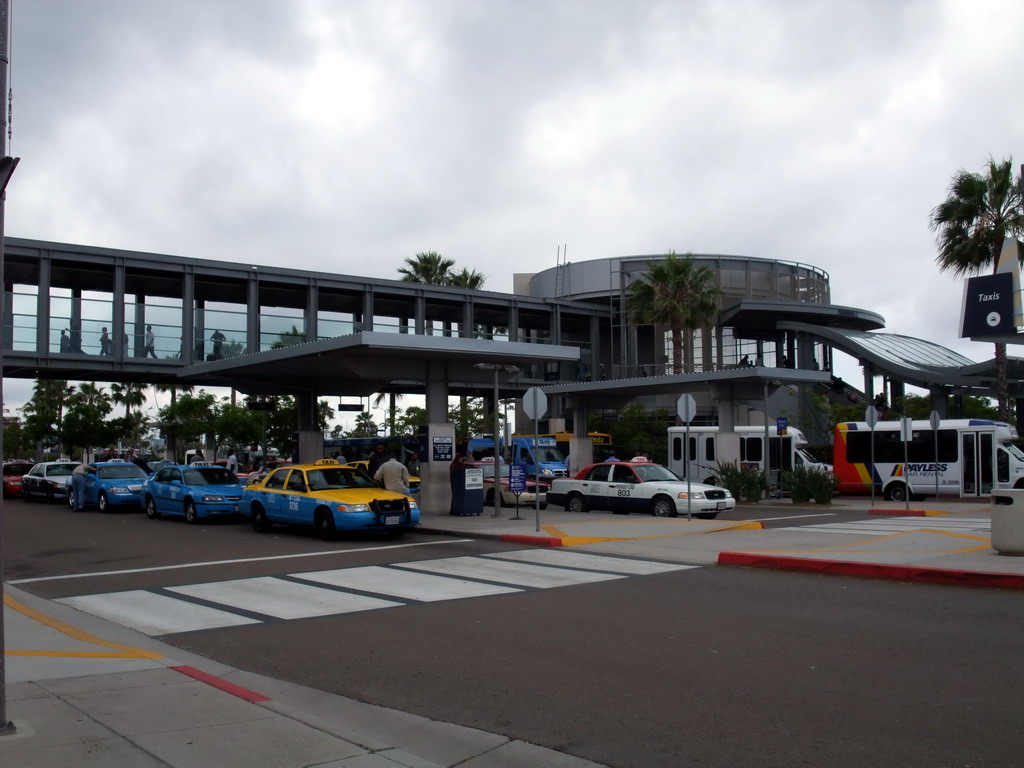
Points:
(974, 456)
(710, 446)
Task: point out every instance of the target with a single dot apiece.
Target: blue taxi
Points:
(113, 483)
(328, 497)
(193, 491)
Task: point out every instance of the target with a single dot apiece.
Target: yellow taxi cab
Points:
(329, 497)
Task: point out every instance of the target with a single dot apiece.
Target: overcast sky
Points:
(347, 135)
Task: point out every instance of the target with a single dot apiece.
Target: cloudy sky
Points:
(347, 135)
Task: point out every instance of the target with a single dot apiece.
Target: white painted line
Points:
(521, 574)
(786, 517)
(282, 599)
(208, 563)
(590, 562)
(154, 614)
(413, 586)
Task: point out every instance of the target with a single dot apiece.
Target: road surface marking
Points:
(590, 562)
(520, 574)
(400, 583)
(154, 614)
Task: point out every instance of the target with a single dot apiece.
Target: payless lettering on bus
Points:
(919, 469)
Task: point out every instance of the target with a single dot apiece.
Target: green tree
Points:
(466, 278)
(236, 426)
(677, 293)
(188, 420)
(16, 442)
(469, 417)
(641, 431)
(289, 338)
(44, 413)
(410, 421)
(979, 213)
(364, 426)
(429, 267)
(84, 425)
(130, 396)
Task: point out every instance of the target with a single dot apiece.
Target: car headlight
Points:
(728, 493)
(119, 489)
(352, 508)
(212, 498)
(413, 504)
(547, 473)
(696, 495)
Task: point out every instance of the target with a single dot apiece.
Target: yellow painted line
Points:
(576, 541)
(79, 654)
(128, 651)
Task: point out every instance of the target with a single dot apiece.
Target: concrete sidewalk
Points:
(84, 692)
(941, 542)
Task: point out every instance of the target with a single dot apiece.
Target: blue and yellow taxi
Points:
(113, 483)
(193, 491)
(329, 497)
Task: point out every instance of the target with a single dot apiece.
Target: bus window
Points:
(709, 449)
(1002, 465)
(677, 449)
(750, 449)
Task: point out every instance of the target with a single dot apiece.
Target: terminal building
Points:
(88, 313)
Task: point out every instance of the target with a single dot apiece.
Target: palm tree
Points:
(677, 293)
(174, 389)
(428, 267)
(982, 210)
(467, 278)
(128, 395)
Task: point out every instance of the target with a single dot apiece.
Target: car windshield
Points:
(337, 478)
(209, 476)
(649, 472)
(548, 453)
(17, 469)
(489, 470)
(121, 472)
(58, 470)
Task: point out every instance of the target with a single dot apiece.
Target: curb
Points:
(942, 576)
(908, 512)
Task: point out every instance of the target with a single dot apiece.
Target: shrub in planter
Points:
(797, 483)
(822, 485)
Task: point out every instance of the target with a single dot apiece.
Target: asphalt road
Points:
(699, 667)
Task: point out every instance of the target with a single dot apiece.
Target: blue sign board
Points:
(517, 478)
(781, 423)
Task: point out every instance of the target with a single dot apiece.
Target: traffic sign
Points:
(517, 478)
(535, 403)
(781, 422)
(934, 419)
(871, 416)
(686, 407)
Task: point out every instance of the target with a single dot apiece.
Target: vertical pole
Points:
(6, 726)
(497, 447)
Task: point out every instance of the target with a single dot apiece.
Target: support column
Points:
(118, 330)
(252, 315)
(311, 439)
(43, 320)
(312, 319)
(140, 325)
(188, 307)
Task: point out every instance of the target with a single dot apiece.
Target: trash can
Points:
(467, 491)
(1008, 522)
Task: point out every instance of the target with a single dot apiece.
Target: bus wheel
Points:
(896, 492)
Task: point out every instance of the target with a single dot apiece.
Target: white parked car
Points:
(627, 486)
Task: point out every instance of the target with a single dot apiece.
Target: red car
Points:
(13, 471)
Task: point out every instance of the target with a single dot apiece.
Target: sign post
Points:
(535, 405)
(871, 417)
(517, 484)
(907, 433)
(686, 407)
(935, 420)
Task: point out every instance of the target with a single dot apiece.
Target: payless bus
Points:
(974, 457)
(710, 447)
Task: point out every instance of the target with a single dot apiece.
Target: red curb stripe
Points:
(875, 570)
(537, 541)
(224, 685)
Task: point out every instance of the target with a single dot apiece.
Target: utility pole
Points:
(7, 166)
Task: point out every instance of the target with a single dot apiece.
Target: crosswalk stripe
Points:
(282, 599)
(521, 574)
(154, 614)
(399, 583)
(590, 562)
(298, 595)
(884, 527)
